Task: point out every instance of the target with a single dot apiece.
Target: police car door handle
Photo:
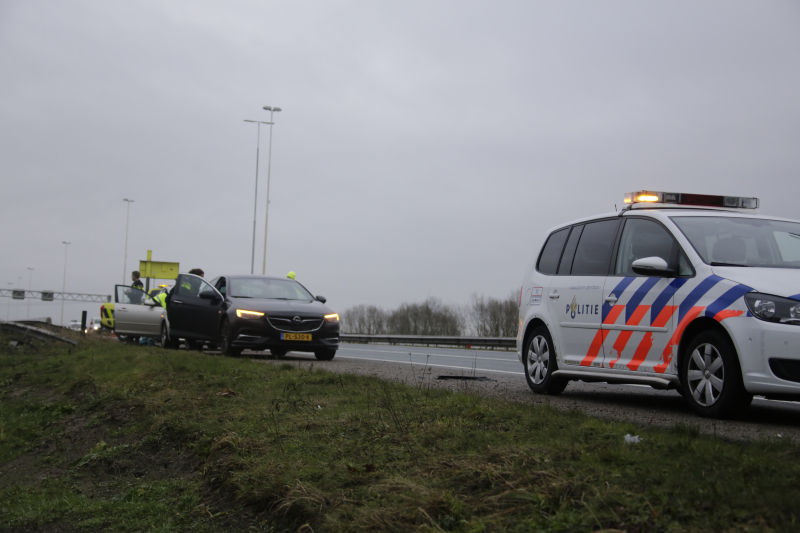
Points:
(611, 298)
(554, 295)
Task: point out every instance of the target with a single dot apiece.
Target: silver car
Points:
(136, 314)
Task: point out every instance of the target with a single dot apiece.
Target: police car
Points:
(697, 293)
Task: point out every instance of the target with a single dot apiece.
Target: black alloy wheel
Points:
(711, 376)
(225, 340)
(324, 355)
(539, 358)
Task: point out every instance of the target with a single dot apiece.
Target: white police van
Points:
(691, 292)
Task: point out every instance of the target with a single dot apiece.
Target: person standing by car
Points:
(135, 296)
(189, 285)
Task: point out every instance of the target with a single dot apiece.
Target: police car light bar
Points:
(678, 198)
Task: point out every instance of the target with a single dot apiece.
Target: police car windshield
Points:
(739, 241)
(270, 289)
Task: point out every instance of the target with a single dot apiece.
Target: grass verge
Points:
(122, 438)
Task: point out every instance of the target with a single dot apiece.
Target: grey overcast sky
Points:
(423, 149)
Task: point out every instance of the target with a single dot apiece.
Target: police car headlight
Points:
(764, 309)
(773, 308)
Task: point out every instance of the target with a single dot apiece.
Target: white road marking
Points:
(430, 354)
(520, 373)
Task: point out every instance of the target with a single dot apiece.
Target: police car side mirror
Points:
(652, 266)
(322, 299)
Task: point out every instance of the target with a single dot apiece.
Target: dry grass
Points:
(205, 443)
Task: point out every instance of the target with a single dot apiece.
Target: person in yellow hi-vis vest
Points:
(189, 285)
(161, 298)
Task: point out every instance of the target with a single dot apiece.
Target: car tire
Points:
(278, 352)
(711, 376)
(324, 355)
(225, 340)
(166, 341)
(539, 358)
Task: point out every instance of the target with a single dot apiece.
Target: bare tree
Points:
(364, 320)
(431, 317)
(483, 316)
(492, 317)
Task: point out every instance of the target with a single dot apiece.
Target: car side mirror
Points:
(652, 266)
(322, 299)
(208, 295)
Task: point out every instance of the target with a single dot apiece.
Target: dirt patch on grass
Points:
(90, 450)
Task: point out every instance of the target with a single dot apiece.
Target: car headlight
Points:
(332, 318)
(773, 308)
(241, 313)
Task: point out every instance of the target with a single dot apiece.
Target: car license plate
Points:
(296, 336)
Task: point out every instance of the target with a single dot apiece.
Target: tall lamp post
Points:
(255, 202)
(271, 110)
(30, 286)
(64, 284)
(127, 221)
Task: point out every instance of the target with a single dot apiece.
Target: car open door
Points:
(136, 313)
(194, 309)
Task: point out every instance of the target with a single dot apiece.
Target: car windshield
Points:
(274, 289)
(737, 241)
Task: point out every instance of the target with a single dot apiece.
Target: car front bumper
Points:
(768, 353)
(259, 335)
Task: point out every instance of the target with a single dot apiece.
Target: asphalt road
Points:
(638, 404)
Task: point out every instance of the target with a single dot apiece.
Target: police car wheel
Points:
(225, 340)
(712, 378)
(540, 363)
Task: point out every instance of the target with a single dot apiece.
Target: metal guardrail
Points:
(39, 333)
(432, 340)
(49, 296)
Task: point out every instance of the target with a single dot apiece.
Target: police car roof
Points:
(666, 212)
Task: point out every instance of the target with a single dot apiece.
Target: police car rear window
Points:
(551, 253)
(593, 256)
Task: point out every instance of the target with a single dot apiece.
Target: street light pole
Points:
(30, 285)
(64, 284)
(271, 110)
(127, 221)
(255, 201)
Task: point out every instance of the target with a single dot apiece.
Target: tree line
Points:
(482, 316)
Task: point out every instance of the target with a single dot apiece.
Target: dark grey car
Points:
(250, 312)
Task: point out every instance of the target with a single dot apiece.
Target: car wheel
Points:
(540, 363)
(324, 355)
(278, 352)
(166, 342)
(712, 378)
(225, 341)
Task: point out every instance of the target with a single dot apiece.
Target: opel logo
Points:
(296, 320)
